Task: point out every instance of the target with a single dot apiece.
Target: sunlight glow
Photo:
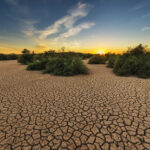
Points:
(101, 52)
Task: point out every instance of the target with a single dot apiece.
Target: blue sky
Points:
(77, 25)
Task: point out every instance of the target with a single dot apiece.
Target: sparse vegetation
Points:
(135, 62)
(97, 59)
(62, 63)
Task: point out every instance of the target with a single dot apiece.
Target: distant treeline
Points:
(8, 56)
(51, 53)
(28, 56)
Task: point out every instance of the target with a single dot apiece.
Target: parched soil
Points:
(95, 111)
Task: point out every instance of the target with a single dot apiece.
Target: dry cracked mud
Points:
(95, 111)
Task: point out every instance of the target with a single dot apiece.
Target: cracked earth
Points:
(95, 111)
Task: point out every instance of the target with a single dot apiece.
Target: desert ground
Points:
(95, 111)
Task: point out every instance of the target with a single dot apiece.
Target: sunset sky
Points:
(77, 25)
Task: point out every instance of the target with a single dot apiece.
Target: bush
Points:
(126, 65)
(111, 61)
(38, 57)
(57, 63)
(134, 62)
(65, 67)
(97, 59)
(78, 66)
(38, 65)
(139, 50)
(144, 67)
(26, 57)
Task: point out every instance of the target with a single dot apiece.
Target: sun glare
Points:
(100, 52)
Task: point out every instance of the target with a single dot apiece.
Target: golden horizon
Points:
(92, 51)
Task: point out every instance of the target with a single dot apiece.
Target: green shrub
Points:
(139, 50)
(38, 65)
(65, 67)
(97, 59)
(39, 57)
(126, 65)
(78, 66)
(134, 62)
(111, 61)
(26, 57)
(54, 65)
(144, 67)
(33, 66)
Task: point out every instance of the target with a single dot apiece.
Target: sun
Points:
(100, 52)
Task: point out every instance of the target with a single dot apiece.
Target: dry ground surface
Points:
(95, 111)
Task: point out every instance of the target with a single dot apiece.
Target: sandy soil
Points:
(95, 111)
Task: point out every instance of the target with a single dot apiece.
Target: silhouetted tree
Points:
(26, 51)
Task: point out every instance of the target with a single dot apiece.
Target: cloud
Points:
(41, 47)
(146, 28)
(29, 28)
(67, 23)
(75, 30)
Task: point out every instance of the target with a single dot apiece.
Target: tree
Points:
(25, 51)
